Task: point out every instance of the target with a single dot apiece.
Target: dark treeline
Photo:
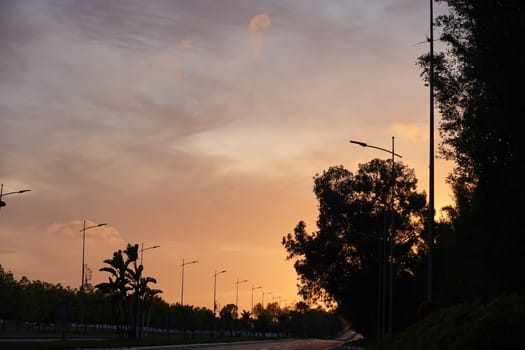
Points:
(479, 92)
(27, 305)
(479, 246)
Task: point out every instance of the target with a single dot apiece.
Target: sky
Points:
(197, 126)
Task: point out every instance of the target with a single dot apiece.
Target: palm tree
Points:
(117, 288)
(245, 318)
(130, 292)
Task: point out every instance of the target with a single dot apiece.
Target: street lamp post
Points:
(142, 249)
(237, 295)
(431, 155)
(262, 299)
(184, 313)
(83, 230)
(182, 279)
(254, 288)
(392, 227)
(215, 291)
(2, 203)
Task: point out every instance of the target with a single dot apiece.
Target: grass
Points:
(483, 325)
(46, 340)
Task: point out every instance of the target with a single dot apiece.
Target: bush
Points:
(497, 324)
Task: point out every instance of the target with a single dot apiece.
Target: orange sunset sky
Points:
(197, 126)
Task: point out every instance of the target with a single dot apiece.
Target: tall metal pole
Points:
(215, 291)
(254, 288)
(84, 228)
(431, 155)
(182, 279)
(380, 284)
(385, 262)
(214, 294)
(392, 231)
(82, 282)
(182, 285)
(184, 311)
(262, 300)
(83, 254)
(392, 236)
(237, 295)
(182, 302)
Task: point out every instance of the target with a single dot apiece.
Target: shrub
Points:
(480, 325)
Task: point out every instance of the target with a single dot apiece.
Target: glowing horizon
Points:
(198, 127)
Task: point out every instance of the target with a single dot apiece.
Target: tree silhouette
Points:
(479, 91)
(246, 320)
(128, 290)
(227, 315)
(340, 264)
(117, 289)
(51, 307)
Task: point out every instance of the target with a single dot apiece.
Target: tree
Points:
(479, 90)
(340, 263)
(117, 289)
(202, 318)
(246, 320)
(227, 315)
(8, 293)
(129, 291)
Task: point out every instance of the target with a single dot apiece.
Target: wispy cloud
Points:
(74, 228)
(257, 26)
(154, 116)
(412, 132)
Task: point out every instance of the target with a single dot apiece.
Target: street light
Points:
(83, 230)
(237, 295)
(215, 290)
(392, 227)
(2, 203)
(142, 249)
(363, 144)
(431, 155)
(182, 295)
(262, 300)
(182, 282)
(254, 288)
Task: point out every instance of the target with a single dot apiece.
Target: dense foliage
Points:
(478, 81)
(495, 324)
(345, 260)
(479, 89)
(37, 307)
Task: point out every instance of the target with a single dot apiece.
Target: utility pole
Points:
(431, 155)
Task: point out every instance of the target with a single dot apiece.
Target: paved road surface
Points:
(294, 344)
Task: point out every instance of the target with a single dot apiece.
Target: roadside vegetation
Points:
(475, 300)
(367, 257)
(126, 311)
(103, 340)
(494, 324)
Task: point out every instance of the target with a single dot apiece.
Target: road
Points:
(294, 344)
(288, 344)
